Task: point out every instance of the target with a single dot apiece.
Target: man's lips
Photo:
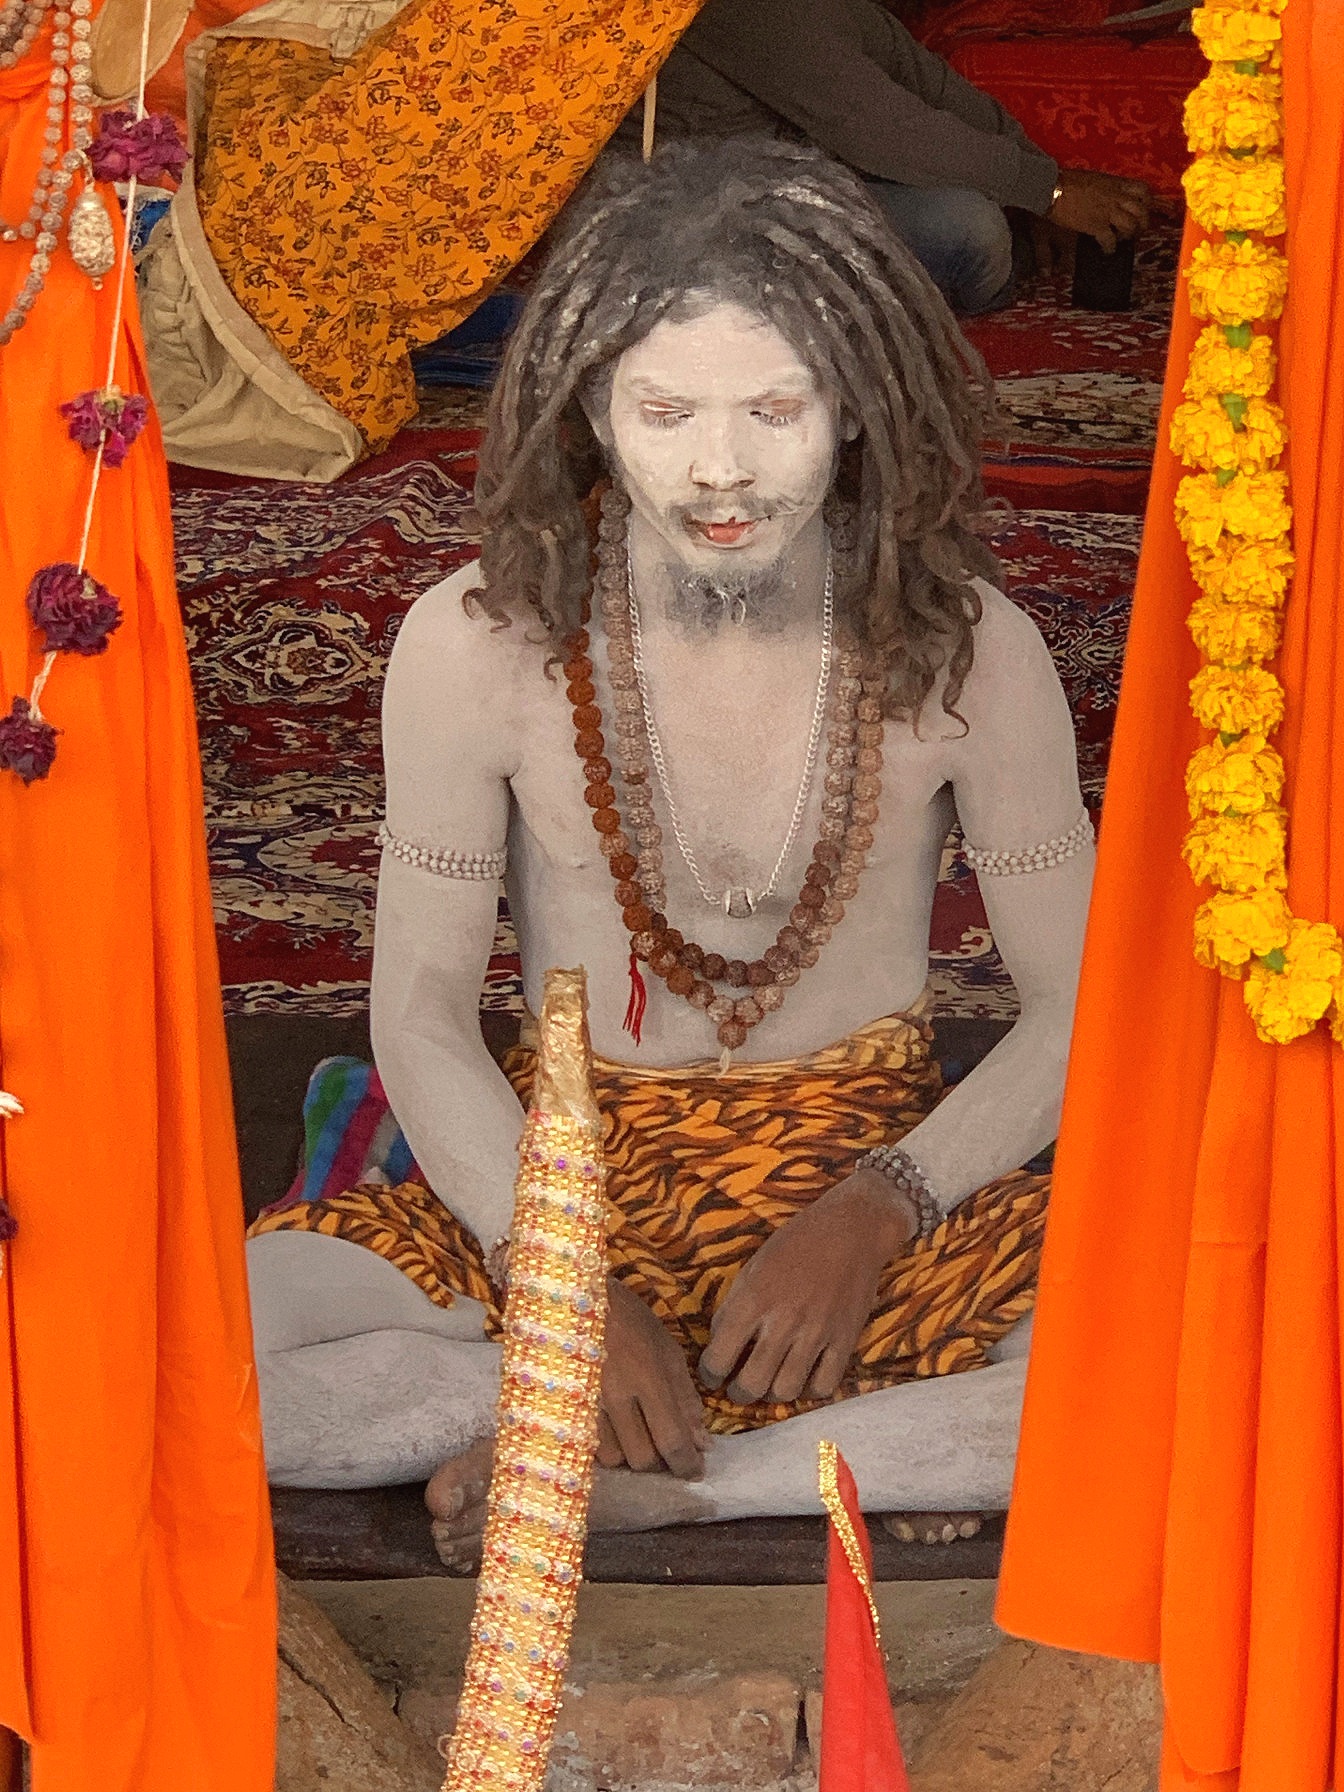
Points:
(725, 534)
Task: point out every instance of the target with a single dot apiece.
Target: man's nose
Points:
(716, 464)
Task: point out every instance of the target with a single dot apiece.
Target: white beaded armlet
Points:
(1017, 860)
(475, 867)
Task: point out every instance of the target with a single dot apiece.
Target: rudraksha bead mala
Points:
(634, 848)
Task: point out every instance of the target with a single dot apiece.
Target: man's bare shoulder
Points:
(458, 677)
(450, 648)
(1012, 683)
(451, 627)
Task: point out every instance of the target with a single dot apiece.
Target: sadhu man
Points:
(721, 774)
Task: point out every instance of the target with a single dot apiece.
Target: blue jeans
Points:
(961, 237)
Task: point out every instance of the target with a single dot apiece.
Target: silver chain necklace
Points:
(740, 903)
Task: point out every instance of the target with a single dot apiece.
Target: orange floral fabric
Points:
(360, 209)
(703, 1165)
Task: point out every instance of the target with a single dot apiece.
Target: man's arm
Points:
(447, 791)
(793, 1318)
(450, 689)
(863, 89)
(1015, 779)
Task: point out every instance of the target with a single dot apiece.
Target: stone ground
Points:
(703, 1689)
(673, 1686)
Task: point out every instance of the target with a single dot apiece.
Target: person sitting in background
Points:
(943, 159)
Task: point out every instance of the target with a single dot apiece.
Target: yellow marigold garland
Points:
(1233, 513)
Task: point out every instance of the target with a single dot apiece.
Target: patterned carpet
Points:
(293, 595)
(1081, 390)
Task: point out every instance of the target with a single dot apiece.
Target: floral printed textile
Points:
(360, 209)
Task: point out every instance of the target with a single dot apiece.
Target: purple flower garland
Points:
(142, 149)
(27, 742)
(108, 417)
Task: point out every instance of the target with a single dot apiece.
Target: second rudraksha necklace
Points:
(849, 811)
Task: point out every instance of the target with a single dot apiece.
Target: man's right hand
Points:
(651, 1416)
(1100, 205)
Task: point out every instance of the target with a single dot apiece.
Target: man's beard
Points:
(734, 597)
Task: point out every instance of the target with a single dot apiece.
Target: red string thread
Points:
(639, 1001)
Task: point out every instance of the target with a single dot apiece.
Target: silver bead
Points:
(92, 243)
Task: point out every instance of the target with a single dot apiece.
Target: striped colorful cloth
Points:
(350, 1135)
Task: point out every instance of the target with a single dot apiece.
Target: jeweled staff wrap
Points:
(532, 1558)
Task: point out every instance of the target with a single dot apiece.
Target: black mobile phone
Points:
(1103, 282)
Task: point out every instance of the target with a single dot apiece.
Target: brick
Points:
(734, 1730)
(1043, 1720)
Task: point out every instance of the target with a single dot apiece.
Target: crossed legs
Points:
(366, 1383)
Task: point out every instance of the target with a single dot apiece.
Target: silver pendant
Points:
(93, 245)
(739, 905)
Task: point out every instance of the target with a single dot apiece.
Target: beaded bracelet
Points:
(474, 867)
(1016, 861)
(497, 1265)
(905, 1175)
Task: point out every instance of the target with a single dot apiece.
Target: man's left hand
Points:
(791, 1321)
(1104, 206)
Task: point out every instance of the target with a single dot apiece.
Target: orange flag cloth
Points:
(137, 1640)
(1179, 1483)
(860, 1750)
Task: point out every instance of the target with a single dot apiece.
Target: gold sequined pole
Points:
(532, 1558)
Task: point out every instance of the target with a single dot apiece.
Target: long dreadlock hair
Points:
(793, 238)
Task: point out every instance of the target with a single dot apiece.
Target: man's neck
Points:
(727, 605)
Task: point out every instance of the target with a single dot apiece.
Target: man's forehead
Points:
(724, 346)
(788, 379)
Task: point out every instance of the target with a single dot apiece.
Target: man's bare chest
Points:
(735, 783)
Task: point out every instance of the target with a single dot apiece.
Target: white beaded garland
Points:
(69, 108)
(472, 867)
(1017, 861)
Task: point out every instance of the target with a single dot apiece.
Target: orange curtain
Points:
(137, 1641)
(1179, 1482)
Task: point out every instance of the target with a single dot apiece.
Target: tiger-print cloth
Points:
(702, 1165)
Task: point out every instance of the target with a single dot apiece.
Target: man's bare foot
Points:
(933, 1527)
(456, 1498)
(621, 1501)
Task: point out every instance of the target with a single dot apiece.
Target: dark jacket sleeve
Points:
(858, 84)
